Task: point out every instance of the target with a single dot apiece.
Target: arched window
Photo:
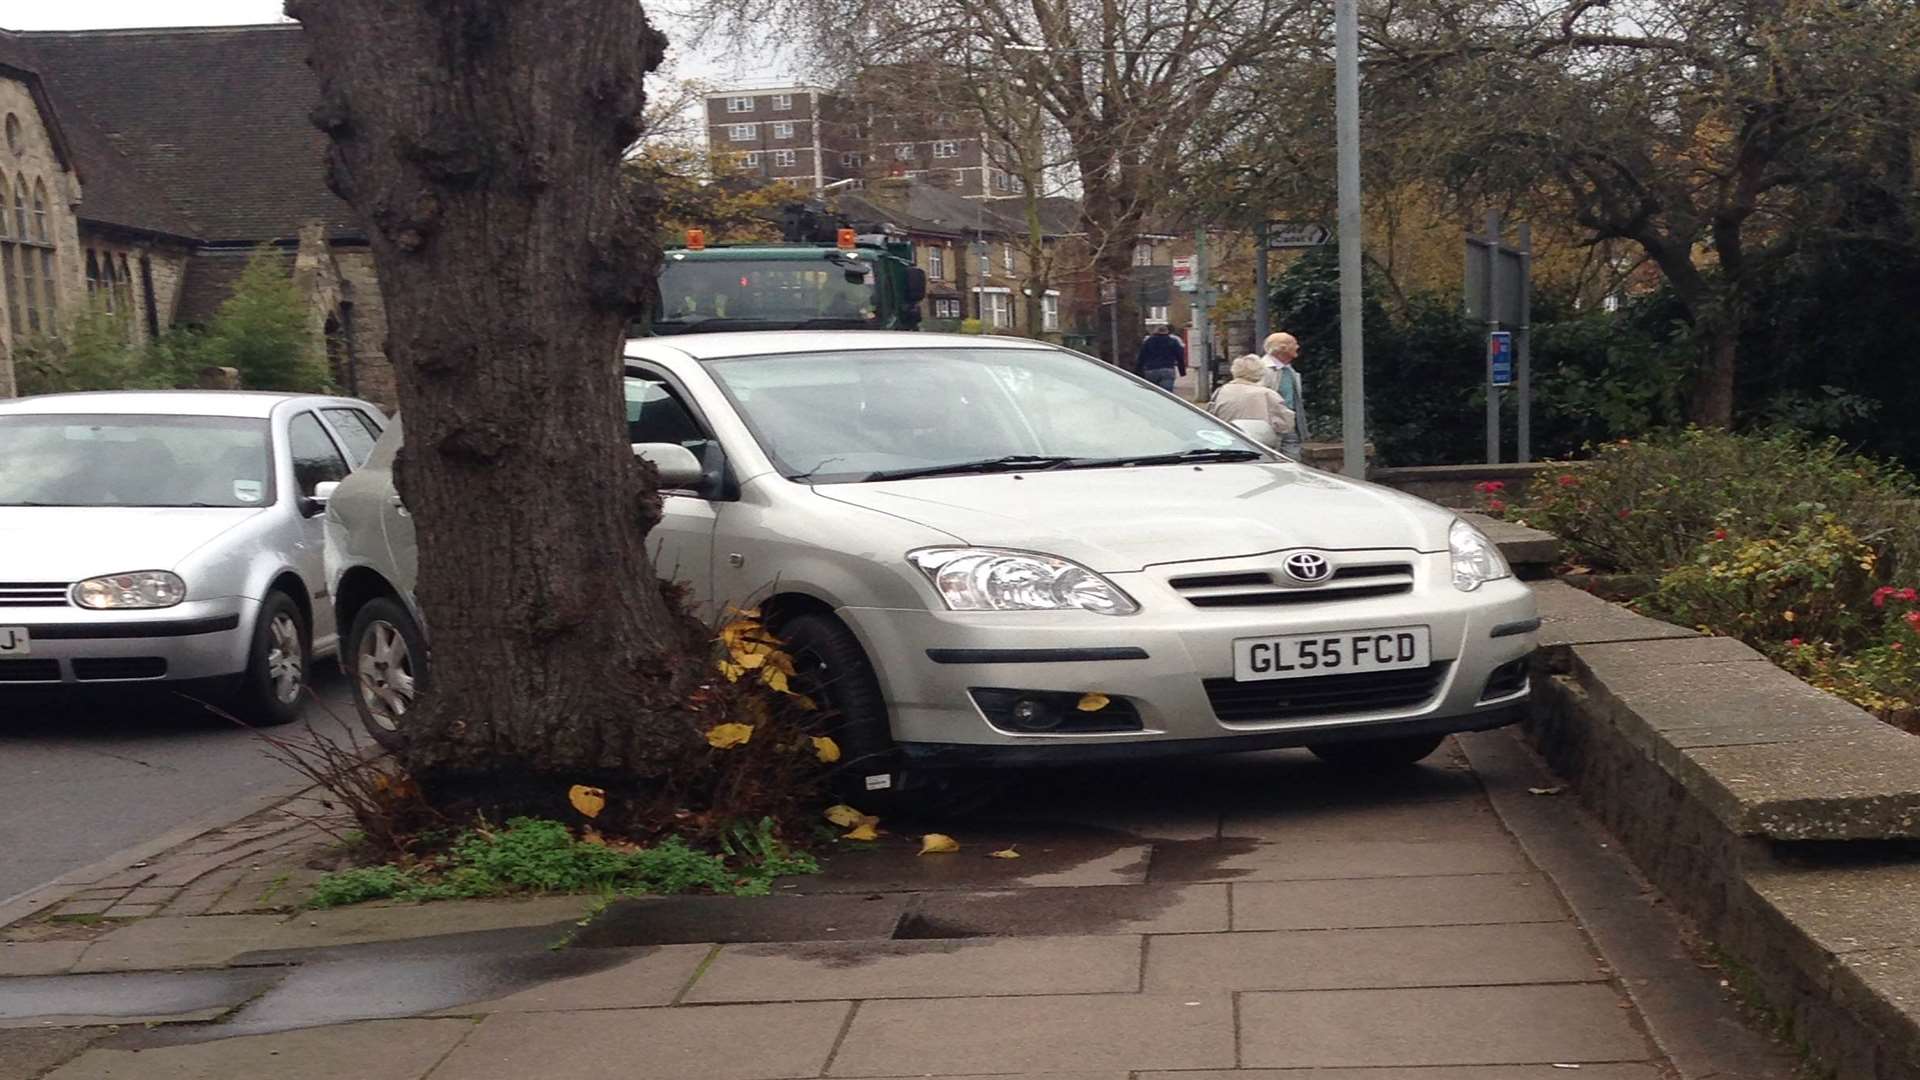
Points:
(20, 207)
(40, 232)
(93, 272)
(124, 279)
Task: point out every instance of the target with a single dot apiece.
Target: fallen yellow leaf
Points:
(868, 829)
(844, 815)
(1093, 702)
(938, 844)
(826, 749)
(591, 835)
(588, 800)
(723, 736)
(1004, 853)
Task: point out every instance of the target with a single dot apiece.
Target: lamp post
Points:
(1346, 107)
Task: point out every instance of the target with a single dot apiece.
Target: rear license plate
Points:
(1345, 653)
(14, 642)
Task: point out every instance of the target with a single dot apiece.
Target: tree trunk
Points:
(480, 143)
(1710, 403)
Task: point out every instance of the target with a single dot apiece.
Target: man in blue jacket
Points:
(1161, 357)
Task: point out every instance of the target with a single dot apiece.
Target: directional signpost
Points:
(1183, 278)
(1278, 236)
(1281, 234)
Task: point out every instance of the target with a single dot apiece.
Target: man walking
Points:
(1161, 357)
(1284, 379)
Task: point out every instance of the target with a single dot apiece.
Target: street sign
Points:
(1500, 357)
(1183, 278)
(1109, 291)
(1297, 234)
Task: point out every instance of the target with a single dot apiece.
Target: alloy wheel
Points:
(384, 670)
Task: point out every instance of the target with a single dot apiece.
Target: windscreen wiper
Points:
(1009, 463)
(1203, 454)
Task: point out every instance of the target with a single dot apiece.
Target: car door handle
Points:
(399, 505)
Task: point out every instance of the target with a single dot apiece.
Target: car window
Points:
(316, 459)
(356, 433)
(133, 460)
(656, 415)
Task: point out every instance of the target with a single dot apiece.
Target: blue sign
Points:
(1500, 357)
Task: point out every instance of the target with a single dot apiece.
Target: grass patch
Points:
(537, 855)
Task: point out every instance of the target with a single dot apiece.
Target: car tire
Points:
(386, 661)
(278, 664)
(1378, 755)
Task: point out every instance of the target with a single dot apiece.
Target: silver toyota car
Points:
(989, 550)
(171, 537)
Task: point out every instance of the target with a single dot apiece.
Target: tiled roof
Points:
(924, 208)
(112, 190)
(216, 117)
(210, 276)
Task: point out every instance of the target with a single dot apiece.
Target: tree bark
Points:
(1710, 401)
(479, 141)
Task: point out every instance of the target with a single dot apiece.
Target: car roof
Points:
(240, 403)
(761, 342)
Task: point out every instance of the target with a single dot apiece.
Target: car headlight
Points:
(1476, 559)
(140, 589)
(988, 579)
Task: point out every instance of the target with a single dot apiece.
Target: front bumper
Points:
(1171, 667)
(203, 639)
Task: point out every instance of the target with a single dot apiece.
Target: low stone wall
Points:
(1781, 819)
(1453, 485)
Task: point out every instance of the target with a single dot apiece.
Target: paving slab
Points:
(1046, 912)
(722, 1042)
(1465, 816)
(1849, 908)
(1569, 616)
(1488, 1025)
(377, 1050)
(670, 920)
(32, 1052)
(155, 997)
(1356, 959)
(816, 971)
(179, 942)
(1054, 854)
(1442, 1073)
(1223, 861)
(39, 957)
(354, 925)
(640, 978)
(1417, 901)
(949, 1037)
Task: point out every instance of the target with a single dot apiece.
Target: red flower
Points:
(1908, 595)
(1489, 487)
(1568, 480)
(1913, 619)
(1496, 505)
(1896, 647)
(1719, 534)
(1625, 514)
(1793, 643)
(1880, 595)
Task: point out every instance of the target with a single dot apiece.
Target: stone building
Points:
(141, 168)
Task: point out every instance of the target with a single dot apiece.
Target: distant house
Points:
(141, 168)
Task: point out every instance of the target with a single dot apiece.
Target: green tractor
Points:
(824, 275)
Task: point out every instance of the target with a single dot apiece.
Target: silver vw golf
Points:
(989, 550)
(171, 537)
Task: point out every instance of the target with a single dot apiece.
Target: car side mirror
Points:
(677, 465)
(316, 503)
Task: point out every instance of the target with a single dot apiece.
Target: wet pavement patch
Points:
(1050, 854)
(1049, 912)
(671, 920)
(144, 997)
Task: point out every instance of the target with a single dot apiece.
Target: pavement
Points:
(1258, 916)
(83, 779)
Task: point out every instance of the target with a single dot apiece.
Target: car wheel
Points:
(278, 666)
(832, 668)
(387, 661)
(1377, 755)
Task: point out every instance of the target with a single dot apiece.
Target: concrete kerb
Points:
(1781, 820)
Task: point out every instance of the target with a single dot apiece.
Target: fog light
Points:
(1030, 714)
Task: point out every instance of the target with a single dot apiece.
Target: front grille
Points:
(111, 668)
(1324, 695)
(1263, 588)
(29, 671)
(33, 594)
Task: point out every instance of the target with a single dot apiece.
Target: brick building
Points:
(142, 167)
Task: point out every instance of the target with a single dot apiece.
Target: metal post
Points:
(1493, 324)
(1523, 346)
(1260, 298)
(1113, 322)
(1200, 356)
(1346, 101)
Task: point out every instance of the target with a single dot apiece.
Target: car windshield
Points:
(883, 414)
(51, 459)
(732, 294)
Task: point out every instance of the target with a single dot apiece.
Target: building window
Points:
(903, 152)
(946, 309)
(784, 158)
(1143, 254)
(1049, 313)
(850, 159)
(750, 159)
(937, 263)
(14, 142)
(40, 211)
(739, 104)
(946, 149)
(1157, 313)
(1019, 186)
(741, 132)
(783, 130)
(783, 103)
(999, 181)
(123, 279)
(20, 208)
(1006, 257)
(29, 288)
(997, 310)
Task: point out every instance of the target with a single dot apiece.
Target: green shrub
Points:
(264, 332)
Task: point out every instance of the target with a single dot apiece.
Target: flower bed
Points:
(1802, 550)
